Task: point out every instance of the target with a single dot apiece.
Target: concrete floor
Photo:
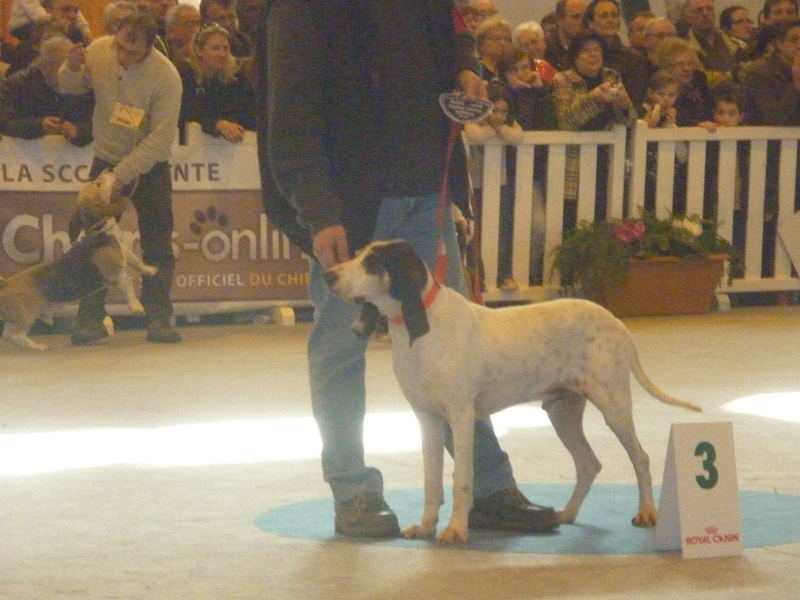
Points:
(129, 470)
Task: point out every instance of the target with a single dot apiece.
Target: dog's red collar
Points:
(426, 301)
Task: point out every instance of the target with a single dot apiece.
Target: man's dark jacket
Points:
(348, 111)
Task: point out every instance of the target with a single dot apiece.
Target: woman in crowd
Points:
(493, 38)
(530, 37)
(603, 18)
(695, 104)
(589, 96)
(216, 93)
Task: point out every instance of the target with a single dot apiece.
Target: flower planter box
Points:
(664, 285)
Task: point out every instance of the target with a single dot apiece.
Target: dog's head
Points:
(383, 274)
(95, 205)
(95, 197)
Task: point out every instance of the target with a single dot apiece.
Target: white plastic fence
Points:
(627, 158)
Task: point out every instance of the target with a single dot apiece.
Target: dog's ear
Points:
(366, 321)
(407, 278)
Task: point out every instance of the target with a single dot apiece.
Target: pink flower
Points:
(629, 232)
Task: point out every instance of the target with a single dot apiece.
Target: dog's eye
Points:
(373, 264)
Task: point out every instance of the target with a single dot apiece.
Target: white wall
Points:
(517, 11)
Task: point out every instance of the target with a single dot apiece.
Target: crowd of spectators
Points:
(208, 42)
(691, 68)
(571, 71)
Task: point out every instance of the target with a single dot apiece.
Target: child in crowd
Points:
(728, 113)
(502, 124)
(659, 110)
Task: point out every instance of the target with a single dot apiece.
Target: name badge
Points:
(461, 109)
(127, 115)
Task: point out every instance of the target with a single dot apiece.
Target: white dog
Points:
(97, 260)
(457, 362)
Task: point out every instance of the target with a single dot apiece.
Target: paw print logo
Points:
(207, 219)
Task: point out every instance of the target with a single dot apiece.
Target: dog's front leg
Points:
(432, 429)
(463, 428)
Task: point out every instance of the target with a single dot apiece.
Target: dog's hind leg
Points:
(124, 283)
(18, 334)
(565, 410)
(432, 429)
(618, 413)
(132, 260)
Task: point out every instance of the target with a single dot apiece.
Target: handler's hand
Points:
(330, 246)
(472, 85)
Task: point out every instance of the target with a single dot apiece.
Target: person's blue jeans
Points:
(337, 361)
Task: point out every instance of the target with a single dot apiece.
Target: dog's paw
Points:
(418, 532)
(452, 535)
(645, 518)
(149, 270)
(565, 517)
(136, 308)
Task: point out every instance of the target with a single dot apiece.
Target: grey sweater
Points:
(152, 86)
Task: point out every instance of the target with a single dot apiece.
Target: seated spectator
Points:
(493, 38)
(771, 90)
(776, 12)
(603, 18)
(771, 84)
(532, 100)
(216, 93)
(31, 106)
(530, 37)
(717, 53)
(499, 124)
(659, 111)
(158, 9)
(589, 96)
(182, 22)
(114, 12)
(68, 13)
(736, 23)
(475, 12)
(636, 29)
(23, 18)
(24, 54)
(569, 23)
(695, 102)
(223, 12)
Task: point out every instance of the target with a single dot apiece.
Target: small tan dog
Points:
(97, 260)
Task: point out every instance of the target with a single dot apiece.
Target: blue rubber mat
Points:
(603, 525)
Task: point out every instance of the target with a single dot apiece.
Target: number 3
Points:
(707, 449)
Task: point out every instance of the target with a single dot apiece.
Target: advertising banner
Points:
(226, 250)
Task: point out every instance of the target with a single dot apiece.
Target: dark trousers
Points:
(152, 199)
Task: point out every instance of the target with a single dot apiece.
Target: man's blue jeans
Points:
(337, 362)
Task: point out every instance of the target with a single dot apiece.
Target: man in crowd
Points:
(716, 50)
(779, 11)
(137, 103)
(351, 148)
(114, 12)
(223, 12)
(182, 21)
(569, 16)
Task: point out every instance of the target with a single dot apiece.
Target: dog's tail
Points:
(652, 389)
